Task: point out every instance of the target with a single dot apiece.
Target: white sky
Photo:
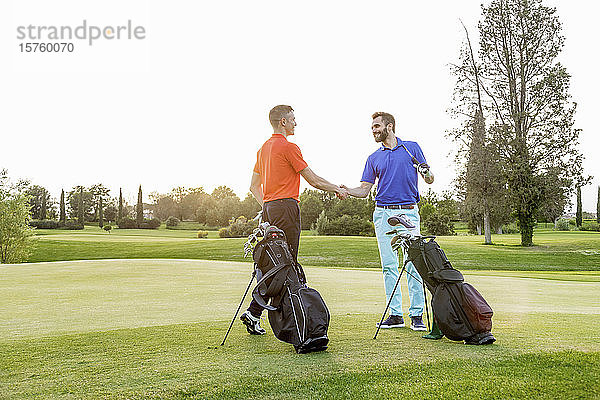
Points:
(188, 105)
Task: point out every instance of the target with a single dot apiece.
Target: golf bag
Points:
(297, 313)
(459, 309)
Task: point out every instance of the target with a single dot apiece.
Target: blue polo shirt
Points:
(398, 179)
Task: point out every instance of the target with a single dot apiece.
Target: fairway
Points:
(554, 251)
(152, 328)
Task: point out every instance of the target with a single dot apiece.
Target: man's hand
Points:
(425, 172)
(342, 192)
(423, 169)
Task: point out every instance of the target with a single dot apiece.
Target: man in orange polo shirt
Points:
(276, 186)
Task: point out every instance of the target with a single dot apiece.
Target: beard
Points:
(381, 136)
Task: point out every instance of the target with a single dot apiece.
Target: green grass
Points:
(152, 328)
(554, 251)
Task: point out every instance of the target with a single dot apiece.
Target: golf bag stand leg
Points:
(390, 300)
(426, 306)
(240, 306)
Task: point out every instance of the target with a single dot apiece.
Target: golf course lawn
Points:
(553, 251)
(151, 328)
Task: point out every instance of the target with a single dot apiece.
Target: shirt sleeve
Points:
(294, 156)
(257, 164)
(369, 173)
(419, 154)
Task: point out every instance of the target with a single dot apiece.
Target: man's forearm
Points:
(358, 192)
(325, 185)
(257, 193)
(256, 188)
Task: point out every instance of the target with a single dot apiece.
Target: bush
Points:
(150, 224)
(44, 224)
(224, 233)
(510, 228)
(590, 226)
(344, 226)
(439, 225)
(127, 223)
(172, 222)
(562, 225)
(202, 234)
(107, 228)
(72, 225)
(239, 227)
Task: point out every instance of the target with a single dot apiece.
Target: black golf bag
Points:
(459, 309)
(297, 313)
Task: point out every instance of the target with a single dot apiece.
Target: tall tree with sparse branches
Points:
(120, 215)
(100, 212)
(139, 209)
(80, 212)
(579, 213)
(529, 108)
(63, 213)
(598, 206)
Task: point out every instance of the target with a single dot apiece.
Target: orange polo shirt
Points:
(279, 162)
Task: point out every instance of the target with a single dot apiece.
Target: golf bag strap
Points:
(300, 273)
(256, 293)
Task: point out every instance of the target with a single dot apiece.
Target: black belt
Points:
(398, 206)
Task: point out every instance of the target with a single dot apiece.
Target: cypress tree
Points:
(80, 211)
(579, 215)
(100, 213)
(120, 215)
(63, 214)
(598, 206)
(43, 210)
(139, 209)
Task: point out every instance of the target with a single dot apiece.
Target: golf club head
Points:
(263, 227)
(400, 220)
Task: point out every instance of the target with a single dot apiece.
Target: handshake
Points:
(342, 192)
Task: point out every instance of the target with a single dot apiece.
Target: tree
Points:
(120, 216)
(110, 212)
(528, 104)
(100, 214)
(249, 207)
(80, 213)
(479, 179)
(223, 212)
(75, 197)
(99, 191)
(436, 214)
(139, 209)
(63, 214)
(579, 214)
(165, 207)
(43, 209)
(37, 196)
(598, 206)
(311, 206)
(223, 192)
(15, 232)
(205, 204)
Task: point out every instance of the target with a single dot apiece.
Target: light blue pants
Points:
(389, 261)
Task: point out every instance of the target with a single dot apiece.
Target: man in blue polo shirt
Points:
(396, 165)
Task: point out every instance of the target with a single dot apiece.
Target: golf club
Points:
(248, 248)
(404, 239)
(423, 168)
